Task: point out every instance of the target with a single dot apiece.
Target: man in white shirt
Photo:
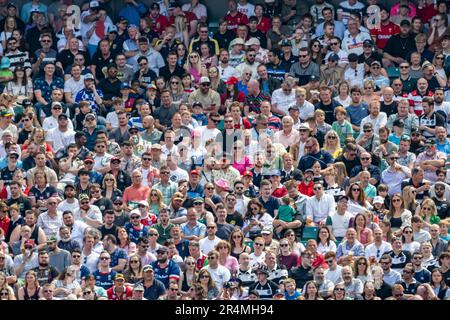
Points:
(319, 206)
(70, 203)
(283, 97)
(354, 72)
(52, 121)
(176, 173)
(209, 132)
(376, 118)
(88, 213)
(246, 8)
(208, 243)
(219, 273)
(340, 220)
(61, 136)
(375, 250)
(225, 70)
(334, 271)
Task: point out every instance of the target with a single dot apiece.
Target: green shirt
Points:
(343, 130)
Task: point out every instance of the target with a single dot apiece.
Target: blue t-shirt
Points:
(293, 297)
(116, 255)
(172, 271)
(104, 280)
(357, 113)
(271, 205)
(135, 234)
(445, 148)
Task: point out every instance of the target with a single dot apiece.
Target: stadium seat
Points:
(310, 233)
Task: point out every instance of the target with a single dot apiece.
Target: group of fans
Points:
(284, 154)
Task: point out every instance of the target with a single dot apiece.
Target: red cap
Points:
(195, 172)
(89, 159)
(247, 173)
(29, 243)
(232, 80)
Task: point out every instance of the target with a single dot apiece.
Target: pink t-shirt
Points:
(242, 166)
(231, 264)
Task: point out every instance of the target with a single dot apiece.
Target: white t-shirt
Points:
(220, 275)
(340, 223)
(206, 245)
(282, 100)
(254, 260)
(334, 276)
(65, 206)
(178, 174)
(73, 86)
(247, 9)
(101, 161)
(207, 134)
(52, 122)
(60, 139)
(112, 119)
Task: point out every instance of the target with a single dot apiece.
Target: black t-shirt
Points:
(278, 71)
(104, 204)
(100, 62)
(23, 202)
(292, 59)
(67, 58)
(166, 74)
(389, 109)
(349, 164)
(106, 231)
(258, 34)
(443, 208)
(46, 275)
(7, 175)
(235, 219)
(265, 291)
(224, 39)
(147, 78)
(399, 47)
(271, 205)
(328, 109)
(110, 89)
(419, 195)
(301, 275)
(23, 136)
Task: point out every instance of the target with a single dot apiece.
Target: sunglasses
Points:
(365, 159)
(104, 258)
(356, 189)
(87, 292)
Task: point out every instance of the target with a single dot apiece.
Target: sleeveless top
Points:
(185, 286)
(236, 255)
(35, 295)
(396, 222)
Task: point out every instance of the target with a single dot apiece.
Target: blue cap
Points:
(124, 86)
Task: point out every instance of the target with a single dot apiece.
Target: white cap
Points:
(378, 199)
(144, 203)
(136, 212)
(94, 4)
(252, 41)
(205, 80)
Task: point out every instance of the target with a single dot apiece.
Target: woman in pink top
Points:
(225, 259)
(364, 234)
(241, 162)
(193, 66)
(136, 192)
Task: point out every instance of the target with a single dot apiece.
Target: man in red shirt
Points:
(387, 29)
(159, 22)
(119, 291)
(191, 18)
(234, 17)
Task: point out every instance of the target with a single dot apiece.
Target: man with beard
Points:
(66, 242)
(45, 273)
(416, 97)
(108, 226)
(430, 119)
(410, 120)
(353, 286)
(440, 199)
(418, 182)
(165, 269)
(388, 104)
(110, 86)
(442, 143)
(76, 228)
(118, 256)
(431, 160)
(441, 106)
(398, 46)
(250, 63)
(70, 202)
(385, 147)
(59, 258)
(225, 70)
(208, 97)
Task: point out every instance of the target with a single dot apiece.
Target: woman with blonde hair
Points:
(342, 177)
(194, 67)
(181, 30)
(5, 289)
(369, 92)
(409, 198)
(217, 83)
(109, 187)
(188, 275)
(398, 215)
(31, 289)
(332, 144)
(38, 137)
(177, 91)
(428, 212)
(225, 257)
(156, 200)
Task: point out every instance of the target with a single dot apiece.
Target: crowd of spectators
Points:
(288, 155)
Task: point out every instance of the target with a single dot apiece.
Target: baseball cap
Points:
(154, 5)
(90, 115)
(378, 199)
(399, 123)
(285, 43)
(247, 173)
(430, 142)
(29, 243)
(112, 28)
(115, 159)
(132, 26)
(204, 80)
(313, 78)
(89, 76)
(162, 249)
(88, 160)
(139, 287)
(278, 293)
(222, 183)
(119, 276)
(156, 146)
(136, 212)
(63, 115)
(267, 230)
(69, 184)
(232, 80)
(236, 41)
(303, 125)
(333, 57)
(124, 86)
(11, 5)
(118, 200)
(6, 113)
(309, 170)
(94, 4)
(405, 23)
(342, 198)
(375, 62)
(252, 41)
(147, 267)
(51, 238)
(198, 103)
(173, 4)
(56, 103)
(178, 195)
(133, 128)
(83, 196)
(195, 172)
(143, 203)
(368, 43)
(151, 86)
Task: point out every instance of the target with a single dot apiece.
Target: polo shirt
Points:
(155, 291)
(198, 230)
(170, 272)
